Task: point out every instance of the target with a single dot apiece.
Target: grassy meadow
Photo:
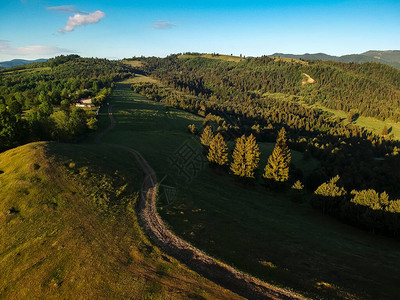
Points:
(219, 57)
(273, 236)
(370, 123)
(68, 229)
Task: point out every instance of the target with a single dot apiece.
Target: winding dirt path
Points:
(222, 274)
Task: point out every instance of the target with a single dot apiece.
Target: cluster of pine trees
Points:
(246, 156)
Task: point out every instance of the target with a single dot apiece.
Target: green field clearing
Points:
(56, 242)
(218, 57)
(133, 63)
(233, 58)
(370, 123)
(27, 70)
(291, 60)
(140, 78)
(264, 233)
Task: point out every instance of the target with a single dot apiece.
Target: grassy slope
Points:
(238, 58)
(260, 232)
(370, 123)
(219, 57)
(56, 243)
(133, 63)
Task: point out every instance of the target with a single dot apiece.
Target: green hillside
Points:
(68, 229)
(268, 234)
(372, 89)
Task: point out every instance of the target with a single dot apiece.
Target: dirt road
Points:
(309, 79)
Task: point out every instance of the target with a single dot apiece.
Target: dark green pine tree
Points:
(277, 168)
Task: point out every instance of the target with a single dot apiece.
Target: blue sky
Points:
(124, 28)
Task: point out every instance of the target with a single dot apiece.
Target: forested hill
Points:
(37, 101)
(262, 95)
(371, 89)
(390, 57)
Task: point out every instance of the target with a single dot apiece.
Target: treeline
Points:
(367, 209)
(37, 101)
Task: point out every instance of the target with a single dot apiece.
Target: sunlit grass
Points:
(261, 232)
(57, 242)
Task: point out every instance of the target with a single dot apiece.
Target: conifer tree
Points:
(252, 156)
(298, 185)
(238, 166)
(277, 168)
(245, 157)
(207, 136)
(218, 153)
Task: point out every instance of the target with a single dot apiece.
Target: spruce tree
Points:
(206, 137)
(277, 168)
(252, 156)
(298, 185)
(218, 153)
(245, 157)
(238, 166)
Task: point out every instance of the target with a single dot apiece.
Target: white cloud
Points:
(66, 8)
(5, 48)
(81, 20)
(40, 50)
(160, 24)
(4, 45)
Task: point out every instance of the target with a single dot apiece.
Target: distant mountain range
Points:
(390, 57)
(19, 62)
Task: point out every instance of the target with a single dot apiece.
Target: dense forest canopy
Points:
(371, 88)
